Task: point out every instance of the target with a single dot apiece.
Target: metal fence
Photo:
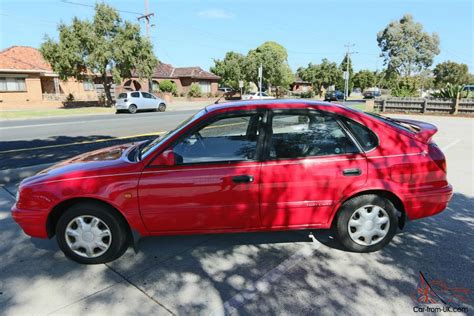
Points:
(421, 105)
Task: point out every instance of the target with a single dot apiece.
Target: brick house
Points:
(27, 80)
(183, 77)
(299, 85)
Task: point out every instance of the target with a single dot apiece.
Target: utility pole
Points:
(348, 47)
(147, 16)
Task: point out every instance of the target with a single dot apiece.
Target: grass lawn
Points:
(25, 114)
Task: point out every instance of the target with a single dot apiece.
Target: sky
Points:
(193, 33)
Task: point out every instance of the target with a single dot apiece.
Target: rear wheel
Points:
(161, 107)
(132, 109)
(366, 223)
(91, 233)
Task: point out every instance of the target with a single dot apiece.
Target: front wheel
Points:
(91, 233)
(161, 107)
(366, 223)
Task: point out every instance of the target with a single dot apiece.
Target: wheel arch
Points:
(61, 207)
(392, 197)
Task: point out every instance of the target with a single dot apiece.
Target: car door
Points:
(148, 101)
(213, 184)
(311, 161)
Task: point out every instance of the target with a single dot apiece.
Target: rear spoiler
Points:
(423, 131)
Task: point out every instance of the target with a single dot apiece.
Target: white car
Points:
(257, 96)
(134, 101)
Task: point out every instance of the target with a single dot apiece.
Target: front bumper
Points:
(426, 204)
(33, 223)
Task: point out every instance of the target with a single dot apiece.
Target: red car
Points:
(239, 167)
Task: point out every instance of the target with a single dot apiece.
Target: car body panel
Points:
(300, 193)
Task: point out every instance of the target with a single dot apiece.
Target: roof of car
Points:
(266, 103)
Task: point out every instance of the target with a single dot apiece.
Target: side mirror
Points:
(166, 158)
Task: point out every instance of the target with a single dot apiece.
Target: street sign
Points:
(241, 83)
(345, 75)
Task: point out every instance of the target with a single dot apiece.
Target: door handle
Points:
(242, 179)
(352, 172)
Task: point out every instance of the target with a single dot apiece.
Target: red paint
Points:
(202, 198)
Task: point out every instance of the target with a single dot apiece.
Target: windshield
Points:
(154, 143)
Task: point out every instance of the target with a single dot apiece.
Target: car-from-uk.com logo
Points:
(436, 296)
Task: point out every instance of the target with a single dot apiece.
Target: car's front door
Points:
(311, 162)
(148, 101)
(214, 182)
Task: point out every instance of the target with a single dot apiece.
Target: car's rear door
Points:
(311, 162)
(214, 182)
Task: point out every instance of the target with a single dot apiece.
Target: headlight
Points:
(17, 196)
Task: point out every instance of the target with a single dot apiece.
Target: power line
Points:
(93, 6)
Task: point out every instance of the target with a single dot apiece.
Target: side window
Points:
(308, 135)
(366, 138)
(135, 94)
(146, 95)
(225, 140)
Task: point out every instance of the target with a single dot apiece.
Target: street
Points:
(247, 273)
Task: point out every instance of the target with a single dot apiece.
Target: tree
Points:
(406, 48)
(107, 44)
(231, 69)
(276, 71)
(451, 72)
(321, 75)
(343, 67)
(406, 87)
(364, 79)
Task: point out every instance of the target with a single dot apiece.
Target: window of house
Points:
(88, 85)
(12, 84)
(229, 139)
(308, 135)
(205, 86)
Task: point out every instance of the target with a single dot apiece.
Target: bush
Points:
(168, 86)
(195, 90)
(406, 87)
(307, 94)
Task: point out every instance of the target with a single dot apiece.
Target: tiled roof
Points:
(23, 58)
(168, 71)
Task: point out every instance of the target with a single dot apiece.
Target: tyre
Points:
(92, 233)
(366, 223)
(161, 107)
(132, 109)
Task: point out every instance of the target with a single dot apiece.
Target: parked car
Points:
(334, 95)
(135, 101)
(257, 96)
(372, 94)
(226, 90)
(239, 167)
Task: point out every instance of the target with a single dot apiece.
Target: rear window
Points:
(122, 96)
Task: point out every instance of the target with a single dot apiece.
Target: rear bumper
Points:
(426, 204)
(33, 223)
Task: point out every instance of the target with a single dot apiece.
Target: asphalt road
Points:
(247, 274)
(39, 141)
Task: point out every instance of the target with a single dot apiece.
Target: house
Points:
(183, 77)
(300, 85)
(27, 80)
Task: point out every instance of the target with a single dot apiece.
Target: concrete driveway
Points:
(254, 273)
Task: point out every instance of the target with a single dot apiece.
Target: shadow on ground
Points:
(253, 273)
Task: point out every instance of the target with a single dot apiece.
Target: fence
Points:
(420, 105)
(101, 91)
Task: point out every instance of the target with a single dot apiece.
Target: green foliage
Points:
(451, 91)
(231, 69)
(406, 48)
(452, 73)
(307, 94)
(406, 87)
(105, 44)
(365, 79)
(194, 90)
(320, 75)
(276, 71)
(168, 86)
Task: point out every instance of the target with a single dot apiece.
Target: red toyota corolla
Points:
(245, 166)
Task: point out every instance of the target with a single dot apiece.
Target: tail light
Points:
(437, 156)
